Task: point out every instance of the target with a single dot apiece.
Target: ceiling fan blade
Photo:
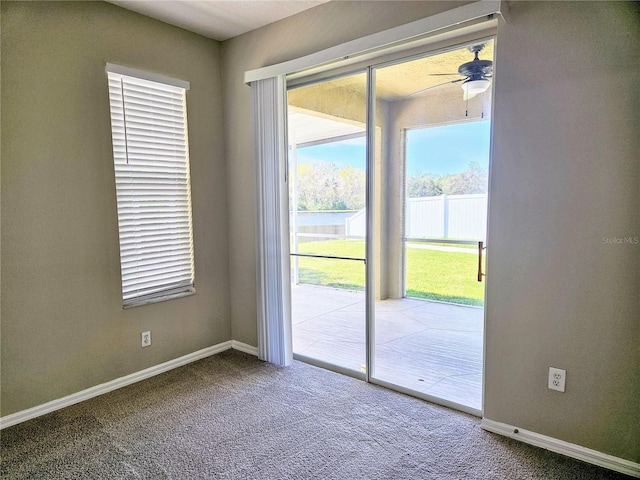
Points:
(436, 86)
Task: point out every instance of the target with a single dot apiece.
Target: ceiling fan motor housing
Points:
(476, 69)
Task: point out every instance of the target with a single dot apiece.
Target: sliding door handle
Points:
(481, 247)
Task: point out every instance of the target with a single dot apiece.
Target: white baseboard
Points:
(244, 347)
(565, 448)
(78, 397)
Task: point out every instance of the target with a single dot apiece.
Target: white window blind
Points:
(151, 159)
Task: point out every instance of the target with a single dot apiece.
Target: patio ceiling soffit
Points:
(307, 129)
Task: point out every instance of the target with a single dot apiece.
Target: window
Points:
(151, 160)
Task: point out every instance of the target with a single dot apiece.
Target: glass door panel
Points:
(327, 166)
(431, 212)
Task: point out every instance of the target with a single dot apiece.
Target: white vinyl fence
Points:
(461, 217)
(356, 225)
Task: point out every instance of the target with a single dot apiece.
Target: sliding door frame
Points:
(370, 205)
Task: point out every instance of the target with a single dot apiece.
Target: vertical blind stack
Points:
(272, 228)
(151, 160)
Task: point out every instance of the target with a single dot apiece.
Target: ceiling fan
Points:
(476, 75)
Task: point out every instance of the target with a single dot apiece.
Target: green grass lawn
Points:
(329, 272)
(431, 274)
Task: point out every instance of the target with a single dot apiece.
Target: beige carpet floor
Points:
(231, 416)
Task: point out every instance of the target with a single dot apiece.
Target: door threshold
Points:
(330, 366)
(391, 386)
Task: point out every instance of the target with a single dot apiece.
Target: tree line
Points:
(327, 186)
(473, 180)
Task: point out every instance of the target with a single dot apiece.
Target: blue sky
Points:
(439, 150)
(348, 152)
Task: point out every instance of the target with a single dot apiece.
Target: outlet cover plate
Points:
(557, 379)
(146, 339)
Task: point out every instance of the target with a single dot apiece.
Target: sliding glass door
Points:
(387, 204)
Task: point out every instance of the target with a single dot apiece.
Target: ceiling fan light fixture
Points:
(471, 88)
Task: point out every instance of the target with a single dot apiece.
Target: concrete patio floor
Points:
(430, 347)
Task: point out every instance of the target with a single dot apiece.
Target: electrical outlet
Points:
(557, 379)
(146, 339)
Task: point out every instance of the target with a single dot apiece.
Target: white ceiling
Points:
(218, 19)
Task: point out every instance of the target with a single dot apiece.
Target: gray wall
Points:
(564, 175)
(63, 326)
